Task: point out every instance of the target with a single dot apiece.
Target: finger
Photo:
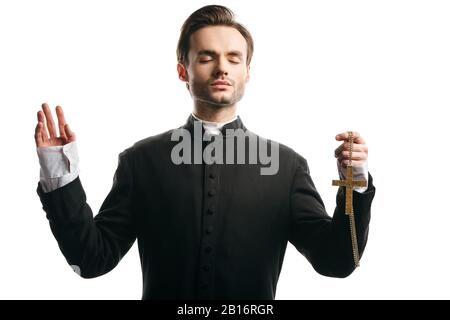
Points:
(38, 134)
(61, 121)
(49, 119)
(344, 137)
(339, 149)
(69, 133)
(355, 155)
(356, 147)
(44, 132)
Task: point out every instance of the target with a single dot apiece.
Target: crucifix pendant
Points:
(348, 184)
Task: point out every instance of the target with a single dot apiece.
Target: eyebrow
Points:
(214, 53)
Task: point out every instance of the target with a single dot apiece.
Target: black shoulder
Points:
(288, 156)
(150, 143)
(153, 140)
(297, 160)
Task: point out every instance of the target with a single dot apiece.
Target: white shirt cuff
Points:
(59, 165)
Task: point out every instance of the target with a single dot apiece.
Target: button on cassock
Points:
(209, 229)
(206, 267)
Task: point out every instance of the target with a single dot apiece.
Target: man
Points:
(205, 229)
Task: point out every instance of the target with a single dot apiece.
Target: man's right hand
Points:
(46, 135)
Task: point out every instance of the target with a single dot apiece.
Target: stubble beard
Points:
(203, 95)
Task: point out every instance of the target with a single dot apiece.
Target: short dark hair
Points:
(212, 15)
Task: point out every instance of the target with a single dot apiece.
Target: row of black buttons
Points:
(206, 260)
(210, 211)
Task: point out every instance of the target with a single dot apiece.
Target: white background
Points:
(320, 67)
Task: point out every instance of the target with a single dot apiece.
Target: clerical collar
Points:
(213, 128)
(226, 128)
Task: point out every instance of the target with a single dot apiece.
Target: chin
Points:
(221, 104)
(223, 100)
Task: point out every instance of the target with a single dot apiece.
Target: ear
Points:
(247, 78)
(182, 72)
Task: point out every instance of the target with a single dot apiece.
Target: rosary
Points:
(349, 183)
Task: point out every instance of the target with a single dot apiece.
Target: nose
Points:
(221, 67)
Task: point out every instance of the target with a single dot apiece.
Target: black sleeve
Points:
(93, 246)
(326, 241)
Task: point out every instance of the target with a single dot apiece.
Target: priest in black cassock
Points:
(207, 228)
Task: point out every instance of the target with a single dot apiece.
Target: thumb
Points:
(69, 133)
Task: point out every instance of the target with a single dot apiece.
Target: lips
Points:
(221, 83)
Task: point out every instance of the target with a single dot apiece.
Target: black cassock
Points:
(205, 231)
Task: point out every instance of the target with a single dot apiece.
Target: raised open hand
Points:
(46, 135)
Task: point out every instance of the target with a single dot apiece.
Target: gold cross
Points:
(349, 183)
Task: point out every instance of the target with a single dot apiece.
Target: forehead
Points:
(217, 38)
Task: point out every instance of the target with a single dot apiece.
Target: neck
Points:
(211, 113)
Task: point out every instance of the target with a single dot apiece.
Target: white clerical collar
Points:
(213, 128)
